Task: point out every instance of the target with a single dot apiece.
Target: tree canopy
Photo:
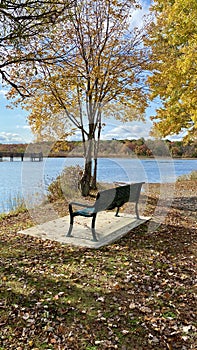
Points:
(99, 63)
(20, 21)
(172, 37)
(98, 69)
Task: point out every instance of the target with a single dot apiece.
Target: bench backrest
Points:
(116, 197)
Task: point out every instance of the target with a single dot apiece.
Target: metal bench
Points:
(106, 200)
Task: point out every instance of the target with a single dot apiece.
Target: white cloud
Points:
(113, 130)
(178, 137)
(122, 132)
(24, 127)
(138, 15)
(8, 137)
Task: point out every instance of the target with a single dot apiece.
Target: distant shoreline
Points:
(118, 156)
(140, 148)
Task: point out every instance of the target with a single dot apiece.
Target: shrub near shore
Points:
(137, 291)
(190, 177)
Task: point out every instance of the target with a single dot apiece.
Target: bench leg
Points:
(71, 227)
(136, 210)
(117, 211)
(93, 228)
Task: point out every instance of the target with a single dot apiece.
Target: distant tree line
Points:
(139, 147)
(149, 148)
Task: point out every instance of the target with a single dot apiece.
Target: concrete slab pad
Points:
(109, 229)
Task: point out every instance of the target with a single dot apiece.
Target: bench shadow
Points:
(170, 239)
(186, 203)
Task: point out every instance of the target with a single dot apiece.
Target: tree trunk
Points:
(86, 178)
(96, 149)
(87, 175)
(94, 177)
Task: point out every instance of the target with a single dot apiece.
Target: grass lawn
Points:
(136, 294)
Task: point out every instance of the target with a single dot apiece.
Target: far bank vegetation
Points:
(110, 148)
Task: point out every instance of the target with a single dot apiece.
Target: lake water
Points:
(30, 179)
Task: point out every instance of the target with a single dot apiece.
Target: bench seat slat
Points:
(87, 212)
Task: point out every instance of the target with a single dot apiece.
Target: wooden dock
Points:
(33, 157)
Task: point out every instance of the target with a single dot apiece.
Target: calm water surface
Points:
(30, 179)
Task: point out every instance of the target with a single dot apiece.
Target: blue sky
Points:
(13, 124)
(14, 127)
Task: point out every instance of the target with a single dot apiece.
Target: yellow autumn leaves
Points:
(173, 63)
